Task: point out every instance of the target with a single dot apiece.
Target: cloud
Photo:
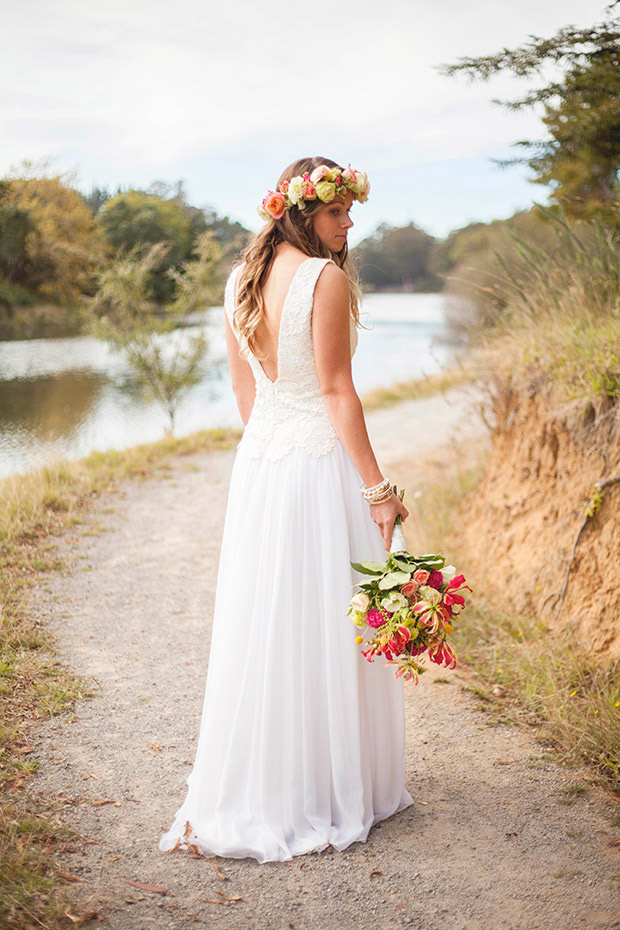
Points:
(127, 92)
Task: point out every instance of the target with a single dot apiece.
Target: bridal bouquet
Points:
(409, 603)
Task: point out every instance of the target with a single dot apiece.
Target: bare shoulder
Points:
(332, 284)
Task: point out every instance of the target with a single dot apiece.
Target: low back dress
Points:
(302, 740)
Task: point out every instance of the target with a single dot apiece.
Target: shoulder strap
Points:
(229, 296)
(305, 281)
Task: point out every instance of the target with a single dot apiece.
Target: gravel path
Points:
(495, 841)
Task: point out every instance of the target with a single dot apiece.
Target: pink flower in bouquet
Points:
(442, 654)
(435, 579)
(421, 576)
(409, 588)
(431, 612)
(375, 618)
(451, 596)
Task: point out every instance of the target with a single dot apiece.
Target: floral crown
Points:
(323, 182)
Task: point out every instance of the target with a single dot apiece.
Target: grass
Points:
(419, 388)
(527, 673)
(33, 683)
(560, 325)
(546, 679)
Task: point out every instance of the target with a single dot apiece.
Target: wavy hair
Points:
(294, 227)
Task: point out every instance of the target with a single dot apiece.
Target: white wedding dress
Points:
(302, 741)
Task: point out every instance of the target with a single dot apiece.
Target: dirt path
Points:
(490, 844)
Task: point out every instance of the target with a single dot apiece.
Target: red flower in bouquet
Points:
(442, 654)
(435, 579)
(451, 596)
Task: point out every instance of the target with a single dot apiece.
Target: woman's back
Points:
(274, 291)
(289, 410)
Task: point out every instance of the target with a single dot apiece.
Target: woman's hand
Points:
(384, 516)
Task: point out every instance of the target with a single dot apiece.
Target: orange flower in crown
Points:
(323, 183)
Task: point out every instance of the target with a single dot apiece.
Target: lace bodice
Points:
(289, 412)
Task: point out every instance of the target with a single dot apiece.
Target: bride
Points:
(302, 741)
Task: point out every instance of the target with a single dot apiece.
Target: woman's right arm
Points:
(241, 375)
(331, 338)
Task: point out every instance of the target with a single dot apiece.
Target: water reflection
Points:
(66, 397)
(52, 405)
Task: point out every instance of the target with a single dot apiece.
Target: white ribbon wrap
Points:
(398, 543)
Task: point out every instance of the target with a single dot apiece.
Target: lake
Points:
(67, 397)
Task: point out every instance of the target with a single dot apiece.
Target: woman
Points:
(302, 742)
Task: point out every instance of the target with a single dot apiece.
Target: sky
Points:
(224, 95)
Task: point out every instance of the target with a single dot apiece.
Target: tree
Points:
(135, 218)
(165, 358)
(396, 258)
(581, 157)
(49, 242)
(15, 226)
(474, 262)
(96, 199)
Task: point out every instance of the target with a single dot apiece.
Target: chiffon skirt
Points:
(302, 741)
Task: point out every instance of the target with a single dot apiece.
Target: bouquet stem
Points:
(398, 539)
(398, 543)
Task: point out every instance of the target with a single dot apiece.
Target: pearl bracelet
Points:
(378, 493)
(370, 494)
(385, 497)
(375, 487)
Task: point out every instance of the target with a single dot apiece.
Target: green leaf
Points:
(369, 568)
(392, 579)
(404, 566)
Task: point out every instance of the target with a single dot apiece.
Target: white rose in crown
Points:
(295, 190)
(361, 186)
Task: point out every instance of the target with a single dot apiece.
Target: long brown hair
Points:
(295, 227)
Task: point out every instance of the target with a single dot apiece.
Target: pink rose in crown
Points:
(409, 588)
(421, 576)
(319, 173)
(349, 173)
(308, 191)
(375, 618)
(275, 205)
(284, 186)
(435, 579)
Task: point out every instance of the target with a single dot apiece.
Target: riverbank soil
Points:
(499, 837)
(541, 478)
